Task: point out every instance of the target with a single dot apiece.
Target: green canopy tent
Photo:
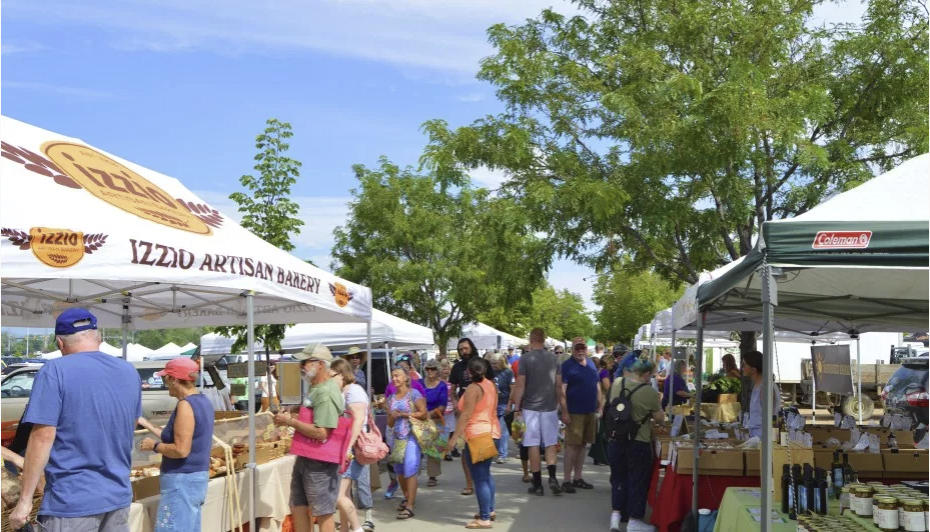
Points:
(855, 263)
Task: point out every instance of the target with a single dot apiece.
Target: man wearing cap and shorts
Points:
(314, 483)
(538, 394)
(84, 407)
(585, 401)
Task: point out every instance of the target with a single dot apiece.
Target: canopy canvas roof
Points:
(401, 334)
(486, 337)
(82, 227)
(857, 262)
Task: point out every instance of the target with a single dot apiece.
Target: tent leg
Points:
(370, 360)
(859, 376)
(387, 361)
(125, 327)
(250, 324)
(698, 362)
(769, 300)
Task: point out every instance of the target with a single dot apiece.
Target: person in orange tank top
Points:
(479, 416)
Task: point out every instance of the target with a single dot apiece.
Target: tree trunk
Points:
(747, 343)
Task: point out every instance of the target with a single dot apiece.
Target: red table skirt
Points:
(672, 503)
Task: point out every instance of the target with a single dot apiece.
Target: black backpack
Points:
(621, 426)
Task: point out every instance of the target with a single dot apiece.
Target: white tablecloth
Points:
(272, 492)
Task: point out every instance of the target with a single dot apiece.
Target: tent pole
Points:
(387, 361)
(671, 391)
(369, 359)
(769, 300)
(859, 376)
(697, 417)
(250, 325)
(125, 328)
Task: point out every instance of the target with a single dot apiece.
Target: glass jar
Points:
(887, 513)
(861, 500)
(926, 504)
(844, 499)
(875, 495)
(913, 516)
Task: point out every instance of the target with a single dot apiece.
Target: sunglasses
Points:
(432, 369)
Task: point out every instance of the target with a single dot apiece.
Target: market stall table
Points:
(272, 490)
(673, 501)
(739, 510)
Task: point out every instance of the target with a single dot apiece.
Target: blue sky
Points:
(183, 87)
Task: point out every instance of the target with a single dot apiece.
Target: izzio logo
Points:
(81, 167)
(58, 248)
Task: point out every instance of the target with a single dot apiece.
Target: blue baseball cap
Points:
(74, 320)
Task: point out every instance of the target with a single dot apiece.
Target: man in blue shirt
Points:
(84, 407)
(585, 402)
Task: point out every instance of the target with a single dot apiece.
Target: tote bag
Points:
(333, 450)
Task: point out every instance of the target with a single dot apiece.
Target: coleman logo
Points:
(842, 239)
(77, 166)
(340, 293)
(58, 248)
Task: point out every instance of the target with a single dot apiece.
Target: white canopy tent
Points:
(400, 334)
(170, 348)
(188, 346)
(81, 227)
(104, 348)
(486, 337)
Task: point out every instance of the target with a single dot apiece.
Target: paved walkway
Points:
(444, 508)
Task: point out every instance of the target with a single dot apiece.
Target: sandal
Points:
(493, 516)
(402, 506)
(476, 525)
(407, 513)
(431, 482)
(468, 491)
(527, 478)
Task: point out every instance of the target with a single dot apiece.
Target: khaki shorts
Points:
(582, 430)
(315, 484)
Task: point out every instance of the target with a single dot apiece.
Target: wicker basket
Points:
(36, 503)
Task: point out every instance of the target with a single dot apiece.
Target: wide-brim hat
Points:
(356, 351)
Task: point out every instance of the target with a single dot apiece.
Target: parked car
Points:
(907, 389)
(157, 405)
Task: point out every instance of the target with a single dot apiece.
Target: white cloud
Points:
(62, 90)
(471, 98)
(488, 178)
(839, 12)
(21, 47)
(447, 35)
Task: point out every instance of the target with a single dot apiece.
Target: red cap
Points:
(180, 368)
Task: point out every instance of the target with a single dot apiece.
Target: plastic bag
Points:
(518, 428)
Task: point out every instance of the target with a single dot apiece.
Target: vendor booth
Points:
(856, 263)
(81, 227)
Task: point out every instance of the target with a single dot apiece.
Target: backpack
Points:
(621, 426)
(369, 447)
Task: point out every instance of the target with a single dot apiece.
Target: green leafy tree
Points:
(560, 312)
(434, 250)
(663, 133)
(269, 213)
(627, 300)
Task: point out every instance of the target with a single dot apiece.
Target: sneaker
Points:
(391, 490)
(638, 525)
(615, 523)
(567, 487)
(536, 490)
(554, 487)
(501, 460)
(368, 526)
(580, 483)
